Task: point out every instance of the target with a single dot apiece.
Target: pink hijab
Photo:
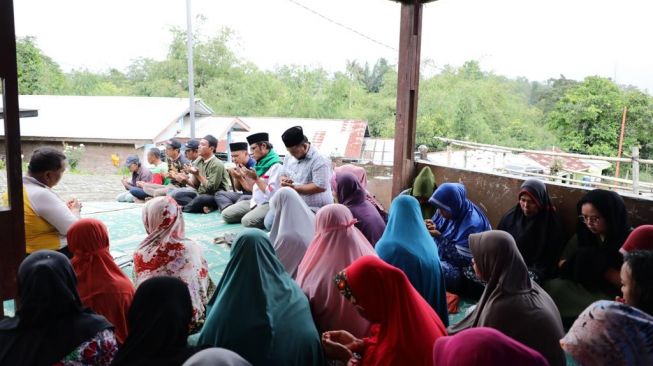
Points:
(167, 252)
(337, 244)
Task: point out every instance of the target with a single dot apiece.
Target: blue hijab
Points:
(407, 245)
(466, 217)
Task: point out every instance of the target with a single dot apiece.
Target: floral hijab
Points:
(167, 252)
(611, 333)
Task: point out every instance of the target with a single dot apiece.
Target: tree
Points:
(37, 73)
(372, 79)
(588, 116)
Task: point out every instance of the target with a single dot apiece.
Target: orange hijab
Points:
(102, 285)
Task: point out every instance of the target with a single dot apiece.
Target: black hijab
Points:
(51, 320)
(594, 257)
(539, 238)
(158, 320)
(611, 206)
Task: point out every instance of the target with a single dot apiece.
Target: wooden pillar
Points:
(407, 87)
(12, 240)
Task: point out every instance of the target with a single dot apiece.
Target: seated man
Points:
(139, 174)
(305, 171)
(47, 217)
(242, 186)
(263, 179)
(157, 167)
(207, 176)
(176, 162)
(190, 151)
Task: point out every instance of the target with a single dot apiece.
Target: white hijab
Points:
(293, 228)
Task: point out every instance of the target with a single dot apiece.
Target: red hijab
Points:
(484, 346)
(405, 325)
(102, 285)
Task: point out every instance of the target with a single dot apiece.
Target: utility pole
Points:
(191, 85)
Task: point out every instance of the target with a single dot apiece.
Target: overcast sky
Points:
(535, 39)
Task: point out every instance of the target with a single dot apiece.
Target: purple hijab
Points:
(352, 195)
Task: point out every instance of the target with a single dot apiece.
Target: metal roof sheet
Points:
(102, 117)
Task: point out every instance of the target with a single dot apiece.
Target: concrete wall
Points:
(96, 159)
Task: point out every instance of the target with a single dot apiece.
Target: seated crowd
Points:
(338, 280)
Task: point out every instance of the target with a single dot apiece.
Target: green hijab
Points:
(258, 311)
(423, 186)
(266, 162)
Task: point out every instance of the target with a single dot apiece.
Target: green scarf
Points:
(266, 162)
(424, 186)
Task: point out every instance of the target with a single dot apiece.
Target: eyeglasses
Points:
(591, 220)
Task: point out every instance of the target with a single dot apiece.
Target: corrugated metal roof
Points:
(101, 118)
(568, 163)
(378, 151)
(332, 137)
(216, 126)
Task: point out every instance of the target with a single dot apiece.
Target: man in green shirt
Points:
(206, 176)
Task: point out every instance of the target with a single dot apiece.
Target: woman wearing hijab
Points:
(51, 325)
(511, 302)
(404, 324)
(639, 239)
(352, 195)
(609, 333)
(167, 252)
(407, 245)
(484, 346)
(293, 228)
(422, 189)
(102, 285)
(590, 265)
(258, 311)
(336, 245)
(361, 176)
(534, 224)
(216, 357)
(159, 320)
(637, 280)
(456, 218)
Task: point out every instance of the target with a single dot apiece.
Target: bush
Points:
(73, 155)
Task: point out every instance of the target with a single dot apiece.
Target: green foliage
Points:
(589, 117)
(73, 155)
(458, 102)
(37, 73)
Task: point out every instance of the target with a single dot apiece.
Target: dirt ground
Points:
(85, 187)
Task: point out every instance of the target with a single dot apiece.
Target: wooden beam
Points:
(12, 240)
(410, 40)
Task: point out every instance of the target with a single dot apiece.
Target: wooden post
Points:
(621, 140)
(12, 227)
(407, 93)
(636, 170)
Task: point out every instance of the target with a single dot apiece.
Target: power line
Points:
(343, 25)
